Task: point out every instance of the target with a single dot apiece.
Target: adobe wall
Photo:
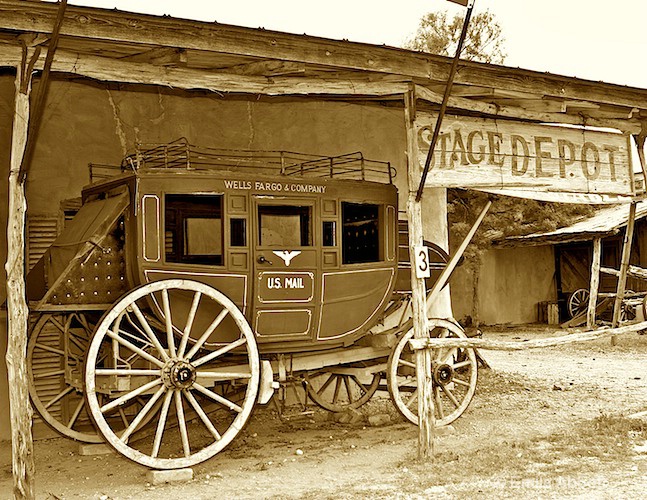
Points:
(91, 122)
(512, 282)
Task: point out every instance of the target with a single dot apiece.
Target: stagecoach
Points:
(193, 282)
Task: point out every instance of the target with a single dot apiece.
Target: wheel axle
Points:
(178, 374)
(442, 373)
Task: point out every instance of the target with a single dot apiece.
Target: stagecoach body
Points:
(194, 281)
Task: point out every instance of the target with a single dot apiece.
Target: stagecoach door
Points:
(285, 283)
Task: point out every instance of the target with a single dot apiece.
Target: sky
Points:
(591, 39)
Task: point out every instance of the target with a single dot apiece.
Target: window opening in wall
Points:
(361, 233)
(284, 226)
(329, 233)
(238, 230)
(193, 229)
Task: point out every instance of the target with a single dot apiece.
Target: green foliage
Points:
(507, 217)
(439, 35)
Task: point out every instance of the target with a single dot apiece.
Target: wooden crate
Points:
(548, 312)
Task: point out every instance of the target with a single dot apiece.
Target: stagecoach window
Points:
(193, 229)
(361, 234)
(284, 226)
(238, 232)
(329, 233)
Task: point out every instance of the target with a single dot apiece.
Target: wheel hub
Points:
(443, 374)
(178, 374)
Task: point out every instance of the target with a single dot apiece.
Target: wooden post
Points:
(639, 139)
(426, 412)
(624, 267)
(594, 284)
(17, 310)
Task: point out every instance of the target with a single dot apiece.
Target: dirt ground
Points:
(545, 423)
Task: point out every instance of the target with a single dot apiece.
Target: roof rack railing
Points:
(180, 154)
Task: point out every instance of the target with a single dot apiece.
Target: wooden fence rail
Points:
(499, 345)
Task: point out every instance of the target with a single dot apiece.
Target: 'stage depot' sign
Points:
(498, 154)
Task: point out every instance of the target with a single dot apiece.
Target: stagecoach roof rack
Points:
(181, 155)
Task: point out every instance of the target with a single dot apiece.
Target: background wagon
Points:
(193, 282)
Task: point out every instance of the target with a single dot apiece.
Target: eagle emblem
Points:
(286, 255)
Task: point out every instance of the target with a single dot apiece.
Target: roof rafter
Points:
(111, 26)
(106, 69)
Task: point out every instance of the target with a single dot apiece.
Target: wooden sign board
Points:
(488, 154)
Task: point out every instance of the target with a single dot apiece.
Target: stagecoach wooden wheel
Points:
(199, 399)
(338, 392)
(55, 355)
(454, 372)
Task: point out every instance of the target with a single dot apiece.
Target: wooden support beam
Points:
(426, 411)
(499, 345)
(456, 257)
(632, 272)
(595, 282)
(17, 310)
(522, 113)
(116, 70)
(624, 266)
(161, 56)
(268, 68)
(639, 139)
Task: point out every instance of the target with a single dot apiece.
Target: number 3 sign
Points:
(423, 269)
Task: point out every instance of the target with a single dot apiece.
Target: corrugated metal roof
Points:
(606, 221)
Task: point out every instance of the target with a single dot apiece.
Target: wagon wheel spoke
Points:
(404, 362)
(149, 331)
(208, 332)
(166, 307)
(141, 415)
(223, 375)
(458, 381)
(451, 396)
(55, 373)
(59, 396)
(449, 356)
(217, 398)
(347, 387)
(335, 397)
(130, 395)
(116, 337)
(179, 410)
(161, 423)
(438, 403)
(203, 416)
(80, 344)
(461, 364)
(216, 354)
(359, 384)
(127, 371)
(412, 399)
(326, 384)
(189, 324)
(53, 350)
(124, 419)
(76, 413)
(139, 336)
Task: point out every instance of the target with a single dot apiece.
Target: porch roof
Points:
(605, 222)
